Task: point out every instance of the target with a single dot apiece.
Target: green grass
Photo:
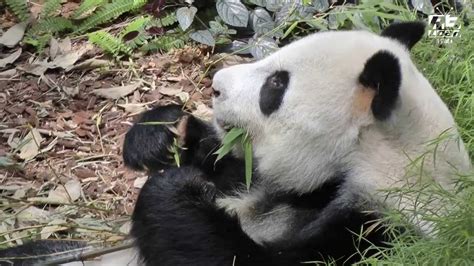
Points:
(451, 71)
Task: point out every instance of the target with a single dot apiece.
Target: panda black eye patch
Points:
(272, 91)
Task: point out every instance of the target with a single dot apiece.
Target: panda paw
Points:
(149, 144)
(200, 191)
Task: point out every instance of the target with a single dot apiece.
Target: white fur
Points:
(126, 257)
(315, 132)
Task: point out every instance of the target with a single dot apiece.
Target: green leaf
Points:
(19, 8)
(226, 148)
(109, 12)
(232, 134)
(50, 7)
(165, 43)
(230, 139)
(203, 36)
(109, 43)
(247, 144)
(185, 16)
(321, 5)
(233, 12)
(262, 21)
(175, 150)
(158, 123)
(85, 7)
(290, 29)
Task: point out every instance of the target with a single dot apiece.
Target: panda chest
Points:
(269, 226)
(261, 218)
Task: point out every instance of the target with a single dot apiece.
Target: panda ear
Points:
(382, 74)
(408, 33)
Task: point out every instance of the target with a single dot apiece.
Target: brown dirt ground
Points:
(81, 149)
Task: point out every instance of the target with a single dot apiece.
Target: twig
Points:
(46, 201)
(89, 254)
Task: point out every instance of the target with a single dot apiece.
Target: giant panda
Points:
(335, 119)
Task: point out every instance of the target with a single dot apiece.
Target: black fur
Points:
(176, 220)
(177, 223)
(407, 33)
(38, 252)
(383, 74)
(272, 91)
(146, 146)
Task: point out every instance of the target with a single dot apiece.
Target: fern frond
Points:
(109, 43)
(19, 8)
(51, 25)
(110, 11)
(138, 24)
(138, 41)
(165, 21)
(38, 41)
(40, 33)
(49, 7)
(86, 6)
(165, 43)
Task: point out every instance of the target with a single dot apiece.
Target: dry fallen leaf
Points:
(53, 226)
(53, 48)
(11, 58)
(65, 45)
(8, 73)
(140, 181)
(203, 111)
(89, 64)
(117, 92)
(169, 91)
(30, 145)
(13, 35)
(32, 214)
(134, 108)
(37, 67)
(67, 60)
(125, 228)
(70, 192)
(62, 60)
(71, 91)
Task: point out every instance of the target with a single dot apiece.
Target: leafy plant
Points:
(40, 34)
(50, 7)
(87, 6)
(109, 43)
(231, 139)
(109, 12)
(19, 8)
(450, 69)
(89, 15)
(274, 22)
(165, 43)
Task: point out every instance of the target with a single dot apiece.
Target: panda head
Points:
(306, 105)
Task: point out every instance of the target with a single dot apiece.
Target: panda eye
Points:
(278, 80)
(272, 91)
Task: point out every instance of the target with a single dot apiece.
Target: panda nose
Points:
(215, 92)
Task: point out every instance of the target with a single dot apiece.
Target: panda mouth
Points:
(225, 125)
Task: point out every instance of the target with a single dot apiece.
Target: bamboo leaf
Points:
(247, 143)
(232, 134)
(226, 148)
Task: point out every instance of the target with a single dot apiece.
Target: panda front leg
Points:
(149, 142)
(176, 222)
